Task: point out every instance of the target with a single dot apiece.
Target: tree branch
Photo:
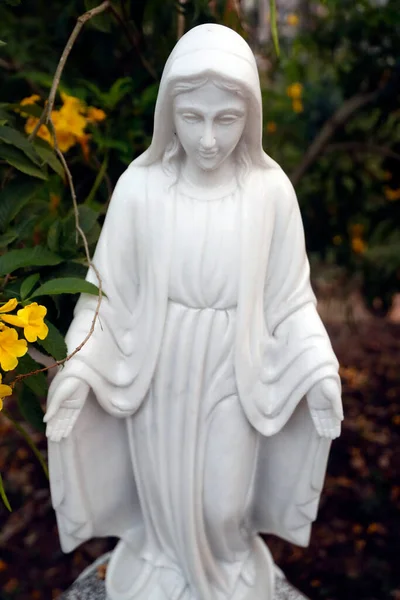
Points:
(362, 148)
(133, 42)
(338, 119)
(45, 116)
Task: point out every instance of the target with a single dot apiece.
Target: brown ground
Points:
(355, 546)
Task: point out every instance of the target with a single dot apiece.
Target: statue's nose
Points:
(207, 140)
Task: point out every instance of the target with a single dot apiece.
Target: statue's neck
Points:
(223, 176)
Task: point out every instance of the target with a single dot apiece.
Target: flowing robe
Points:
(280, 351)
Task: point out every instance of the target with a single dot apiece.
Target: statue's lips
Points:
(208, 154)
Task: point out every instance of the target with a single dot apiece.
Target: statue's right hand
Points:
(67, 400)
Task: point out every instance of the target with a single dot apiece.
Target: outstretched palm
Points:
(66, 402)
(326, 408)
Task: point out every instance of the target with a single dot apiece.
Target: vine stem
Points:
(45, 118)
(93, 12)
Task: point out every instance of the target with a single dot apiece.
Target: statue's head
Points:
(209, 114)
(209, 104)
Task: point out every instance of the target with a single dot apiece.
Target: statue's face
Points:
(209, 123)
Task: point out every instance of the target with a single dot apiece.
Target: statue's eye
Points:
(191, 117)
(227, 119)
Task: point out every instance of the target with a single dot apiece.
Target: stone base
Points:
(90, 585)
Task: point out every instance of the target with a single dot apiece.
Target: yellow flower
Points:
(297, 106)
(358, 245)
(84, 143)
(68, 121)
(43, 132)
(391, 194)
(30, 100)
(31, 319)
(9, 306)
(357, 230)
(5, 390)
(95, 114)
(295, 91)
(292, 19)
(271, 127)
(72, 103)
(11, 348)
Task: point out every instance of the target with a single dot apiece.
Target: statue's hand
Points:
(67, 400)
(325, 407)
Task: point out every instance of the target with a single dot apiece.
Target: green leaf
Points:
(27, 257)
(38, 382)
(30, 408)
(87, 220)
(12, 136)
(53, 236)
(66, 285)
(3, 495)
(49, 157)
(274, 25)
(28, 284)
(13, 199)
(54, 343)
(16, 158)
(7, 238)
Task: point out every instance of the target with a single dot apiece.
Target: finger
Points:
(71, 423)
(316, 421)
(50, 413)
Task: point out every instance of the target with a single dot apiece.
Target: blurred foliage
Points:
(350, 194)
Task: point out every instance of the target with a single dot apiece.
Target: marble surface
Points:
(90, 585)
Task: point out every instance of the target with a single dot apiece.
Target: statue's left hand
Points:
(325, 407)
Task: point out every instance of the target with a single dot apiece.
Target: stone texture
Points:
(89, 586)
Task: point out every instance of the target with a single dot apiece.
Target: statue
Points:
(201, 411)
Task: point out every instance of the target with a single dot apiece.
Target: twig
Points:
(45, 116)
(340, 117)
(133, 41)
(86, 246)
(360, 147)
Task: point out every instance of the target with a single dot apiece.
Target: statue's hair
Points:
(174, 151)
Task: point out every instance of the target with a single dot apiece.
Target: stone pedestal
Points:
(90, 585)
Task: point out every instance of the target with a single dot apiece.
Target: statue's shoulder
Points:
(132, 183)
(279, 189)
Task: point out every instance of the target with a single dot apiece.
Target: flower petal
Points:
(31, 333)
(5, 390)
(8, 362)
(13, 320)
(9, 306)
(43, 331)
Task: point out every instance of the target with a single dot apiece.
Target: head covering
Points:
(209, 50)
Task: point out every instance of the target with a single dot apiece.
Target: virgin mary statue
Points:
(201, 411)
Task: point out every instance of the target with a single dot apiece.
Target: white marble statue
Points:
(201, 411)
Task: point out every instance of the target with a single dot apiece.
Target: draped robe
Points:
(281, 351)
